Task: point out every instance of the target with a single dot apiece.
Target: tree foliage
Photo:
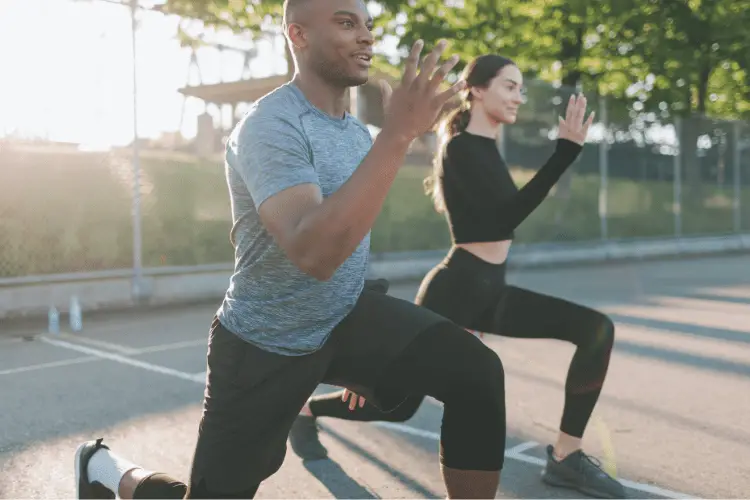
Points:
(237, 15)
(687, 55)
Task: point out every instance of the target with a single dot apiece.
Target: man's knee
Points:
(200, 490)
(483, 380)
(473, 431)
(159, 485)
(491, 376)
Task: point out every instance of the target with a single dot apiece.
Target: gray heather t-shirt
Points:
(282, 142)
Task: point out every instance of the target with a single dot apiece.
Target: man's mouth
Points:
(363, 58)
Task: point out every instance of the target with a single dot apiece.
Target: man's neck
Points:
(330, 100)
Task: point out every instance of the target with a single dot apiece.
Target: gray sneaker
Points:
(581, 472)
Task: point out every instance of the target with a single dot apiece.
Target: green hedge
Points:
(69, 211)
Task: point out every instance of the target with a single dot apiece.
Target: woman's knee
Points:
(605, 332)
(405, 410)
(596, 332)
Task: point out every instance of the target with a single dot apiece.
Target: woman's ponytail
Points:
(454, 123)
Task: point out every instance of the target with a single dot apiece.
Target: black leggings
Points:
(473, 293)
(160, 485)
(441, 361)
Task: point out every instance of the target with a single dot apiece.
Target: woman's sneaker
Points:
(583, 473)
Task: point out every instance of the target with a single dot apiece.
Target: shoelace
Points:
(596, 463)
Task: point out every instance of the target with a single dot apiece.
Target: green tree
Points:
(673, 57)
(553, 40)
(240, 16)
(690, 59)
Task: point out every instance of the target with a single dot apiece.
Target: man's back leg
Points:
(389, 349)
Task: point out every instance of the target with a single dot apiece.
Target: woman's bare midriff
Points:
(494, 252)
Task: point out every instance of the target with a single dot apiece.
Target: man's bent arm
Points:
(319, 234)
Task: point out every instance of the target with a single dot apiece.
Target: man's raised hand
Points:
(412, 108)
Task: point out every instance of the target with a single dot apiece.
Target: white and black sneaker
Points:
(84, 487)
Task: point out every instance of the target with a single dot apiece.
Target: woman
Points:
(472, 186)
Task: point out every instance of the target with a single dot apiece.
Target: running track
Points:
(673, 420)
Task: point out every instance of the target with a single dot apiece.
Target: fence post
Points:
(137, 286)
(677, 181)
(354, 102)
(501, 139)
(737, 178)
(603, 169)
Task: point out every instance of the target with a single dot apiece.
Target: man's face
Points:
(338, 41)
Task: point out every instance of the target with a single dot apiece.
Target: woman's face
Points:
(503, 96)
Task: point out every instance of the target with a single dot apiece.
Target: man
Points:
(306, 184)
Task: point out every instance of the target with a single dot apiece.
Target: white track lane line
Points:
(514, 453)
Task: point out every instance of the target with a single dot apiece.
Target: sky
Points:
(67, 76)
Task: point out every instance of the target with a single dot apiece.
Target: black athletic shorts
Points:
(253, 396)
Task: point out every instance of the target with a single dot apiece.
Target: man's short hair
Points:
(290, 6)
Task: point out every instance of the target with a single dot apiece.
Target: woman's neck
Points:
(480, 124)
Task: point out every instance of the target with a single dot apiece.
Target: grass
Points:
(69, 211)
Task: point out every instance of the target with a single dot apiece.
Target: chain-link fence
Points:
(640, 175)
(741, 177)
(64, 209)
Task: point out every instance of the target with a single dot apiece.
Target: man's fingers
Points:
(354, 400)
(442, 71)
(410, 69)
(454, 89)
(428, 65)
(387, 92)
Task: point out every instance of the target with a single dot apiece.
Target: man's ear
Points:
(297, 35)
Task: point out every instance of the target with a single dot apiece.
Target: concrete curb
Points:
(415, 264)
(32, 296)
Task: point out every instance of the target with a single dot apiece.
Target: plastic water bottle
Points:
(76, 319)
(53, 320)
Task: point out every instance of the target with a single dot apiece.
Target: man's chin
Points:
(358, 80)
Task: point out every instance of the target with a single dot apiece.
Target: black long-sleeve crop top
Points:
(482, 202)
